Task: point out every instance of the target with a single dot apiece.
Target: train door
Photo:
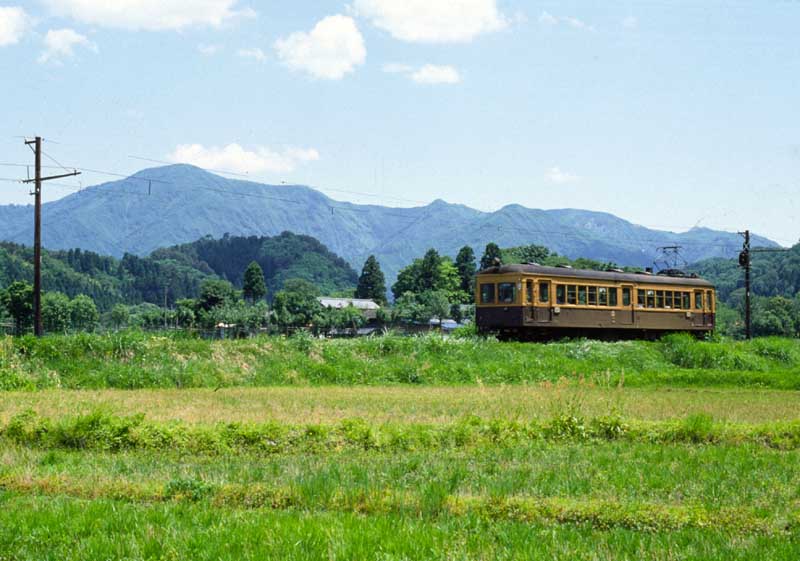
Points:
(625, 315)
(529, 299)
(542, 309)
(698, 314)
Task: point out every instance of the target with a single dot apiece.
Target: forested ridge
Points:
(178, 272)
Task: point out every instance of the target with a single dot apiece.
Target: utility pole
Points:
(744, 262)
(37, 230)
(745, 257)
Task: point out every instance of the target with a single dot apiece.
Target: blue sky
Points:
(669, 114)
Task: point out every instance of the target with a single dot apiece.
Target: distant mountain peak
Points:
(140, 218)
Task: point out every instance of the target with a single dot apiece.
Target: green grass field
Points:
(418, 448)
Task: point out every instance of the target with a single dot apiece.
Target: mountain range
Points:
(176, 204)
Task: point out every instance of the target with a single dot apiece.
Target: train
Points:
(535, 302)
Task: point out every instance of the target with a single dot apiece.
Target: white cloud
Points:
(151, 15)
(630, 22)
(557, 175)
(546, 18)
(256, 54)
(333, 48)
(426, 74)
(433, 74)
(236, 159)
(433, 21)
(208, 50)
(60, 44)
(14, 22)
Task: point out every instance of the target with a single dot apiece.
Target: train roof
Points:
(610, 276)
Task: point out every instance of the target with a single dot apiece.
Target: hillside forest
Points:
(272, 283)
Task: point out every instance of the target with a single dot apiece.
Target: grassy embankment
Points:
(425, 449)
(131, 360)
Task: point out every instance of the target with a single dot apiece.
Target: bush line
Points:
(104, 431)
(130, 360)
(599, 514)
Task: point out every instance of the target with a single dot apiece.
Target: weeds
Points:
(132, 360)
(102, 431)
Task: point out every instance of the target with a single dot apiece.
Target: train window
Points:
(640, 298)
(602, 296)
(651, 298)
(686, 301)
(572, 292)
(612, 296)
(505, 293)
(668, 299)
(626, 296)
(698, 299)
(593, 296)
(544, 292)
(582, 295)
(709, 301)
(529, 291)
(487, 293)
(676, 301)
(659, 299)
(561, 297)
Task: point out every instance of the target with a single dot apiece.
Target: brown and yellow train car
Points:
(536, 302)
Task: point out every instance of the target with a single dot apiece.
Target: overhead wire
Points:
(343, 206)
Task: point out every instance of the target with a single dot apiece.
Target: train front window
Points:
(544, 292)
(651, 298)
(602, 296)
(612, 296)
(698, 299)
(593, 296)
(626, 296)
(505, 293)
(561, 294)
(487, 293)
(582, 295)
(572, 294)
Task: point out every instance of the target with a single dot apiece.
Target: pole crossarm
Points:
(52, 177)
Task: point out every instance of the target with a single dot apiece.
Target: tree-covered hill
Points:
(281, 257)
(773, 274)
(177, 272)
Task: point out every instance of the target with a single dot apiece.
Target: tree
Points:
(120, 315)
(407, 280)
(775, 316)
(490, 254)
(214, 293)
(5, 317)
(254, 287)
(83, 313)
(372, 283)
(297, 304)
(429, 271)
(184, 312)
(435, 304)
(55, 312)
(465, 263)
(19, 302)
(526, 254)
